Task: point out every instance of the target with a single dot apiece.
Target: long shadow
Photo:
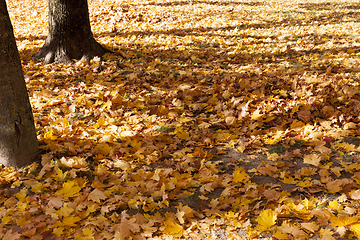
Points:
(182, 3)
(287, 21)
(32, 38)
(329, 6)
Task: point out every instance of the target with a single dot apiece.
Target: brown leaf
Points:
(304, 115)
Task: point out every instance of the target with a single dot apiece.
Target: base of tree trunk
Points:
(64, 51)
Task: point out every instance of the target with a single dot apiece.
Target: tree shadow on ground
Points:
(192, 2)
(329, 6)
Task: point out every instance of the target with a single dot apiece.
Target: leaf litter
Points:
(212, 120)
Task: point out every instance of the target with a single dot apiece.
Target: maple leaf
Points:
(326, 234)
(256, 115)
(240, 175)
(37, 188)
(310, 226)
(125, 228)
(172, 228)
(71, 221)
(342, 221)
(313, 159)
(56, 202)
(183, 211)
(97, 195)
(266, 219)
(59, 175)
(206, 188)
(49, 135)
(356, 229)
(335, 205)
(337, 185)
(6, 219)
(69, 189)
(12, 235)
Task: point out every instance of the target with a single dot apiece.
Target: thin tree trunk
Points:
(18, 142)
(70, 35)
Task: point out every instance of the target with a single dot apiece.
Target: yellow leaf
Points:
(239, 175)
(335, 205)
(69, 189)
(58, 231)
(356, 229)
(256, 115)
(273, 157)
(326, 233)
(342, 221)
(21, 195)
(266, 219)
(182, 135)
(49, 136)
(70, 221)
(22, 206)
(312, 159)
(88, 232)
(135, 143)
(64, 211)
(240, 149)
(99, 123)
(289, 180)
(280, 235)
(65, 122)
(5, 220)
(103, 148)
(59, 176)
(172, 228)
(202, 197)
(37, 188)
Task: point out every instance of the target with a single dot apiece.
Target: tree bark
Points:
(18, 142)
(70, 35)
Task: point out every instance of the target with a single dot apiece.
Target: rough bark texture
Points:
(18, 142)
(70, 35)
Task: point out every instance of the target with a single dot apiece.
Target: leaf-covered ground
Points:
(213, 119)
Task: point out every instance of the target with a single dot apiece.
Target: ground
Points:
(211, 120)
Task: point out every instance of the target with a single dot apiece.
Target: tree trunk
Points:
(18, 142)
(70, 35)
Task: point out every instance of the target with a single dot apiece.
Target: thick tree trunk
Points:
(18, 142)
(70, 35)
